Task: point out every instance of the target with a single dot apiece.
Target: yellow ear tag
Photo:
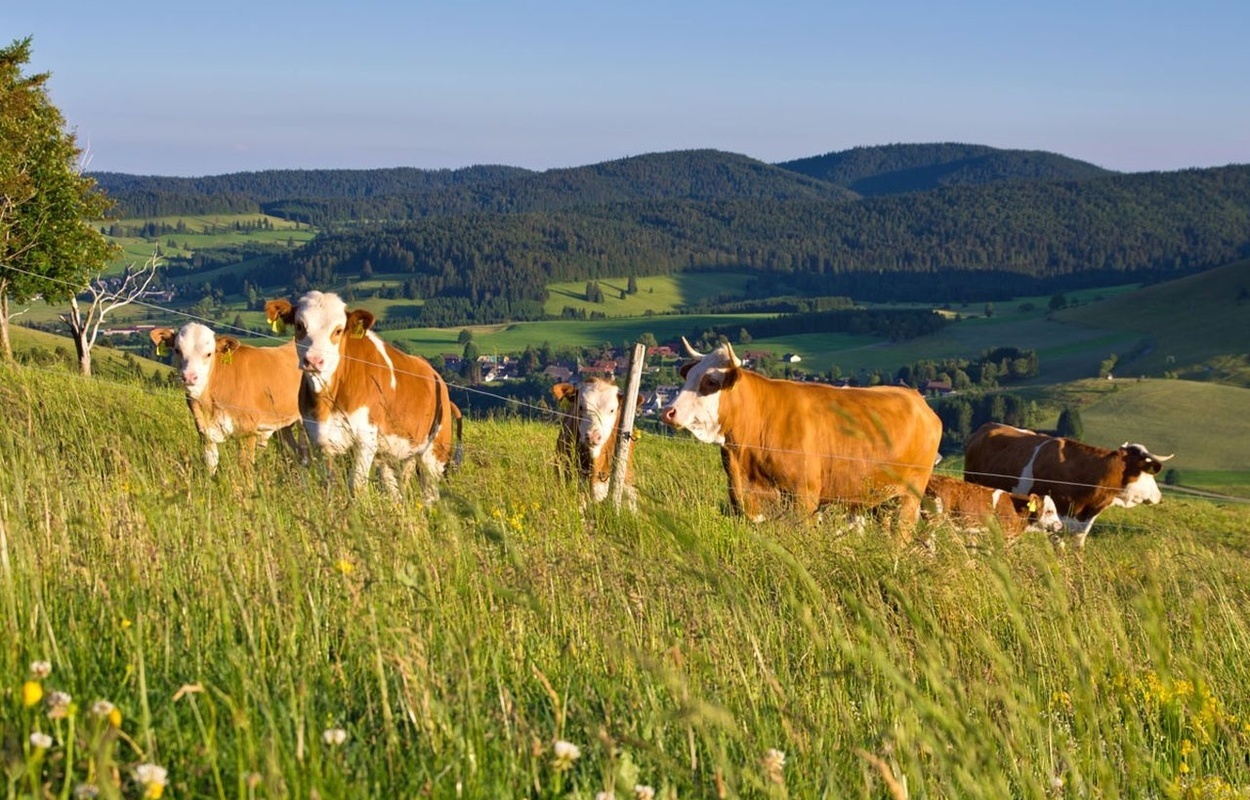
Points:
(1032, 505)
(227, 357)
(162, 350)
(277, 325)
(358, 330)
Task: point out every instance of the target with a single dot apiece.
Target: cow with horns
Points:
(811, 443)
(361, 393)
(1083, 480)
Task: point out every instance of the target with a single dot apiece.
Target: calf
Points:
(360, 393)
(969, 507)
(1084, 480)
(586, 446)
(235, 391)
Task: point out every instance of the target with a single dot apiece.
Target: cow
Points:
(811, 443)
(970, 507)
(235, 391)
(362, 394)
(586, 445)
(1083, 480)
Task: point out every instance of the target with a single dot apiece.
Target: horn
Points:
(690, 351)
(733, 358)
(1161, 459)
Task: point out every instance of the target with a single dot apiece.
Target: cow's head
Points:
(595, 407)
(697, 406)
(1043, 514)
(321, 324)
(196, 350)
(1140, 467)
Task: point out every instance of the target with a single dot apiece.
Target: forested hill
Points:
(897, 168)
(325, 196)
(946, 244)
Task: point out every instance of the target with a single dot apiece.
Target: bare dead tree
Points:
(101, 296)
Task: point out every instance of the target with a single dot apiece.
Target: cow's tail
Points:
(457, 453)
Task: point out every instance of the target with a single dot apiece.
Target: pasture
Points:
(239, 623)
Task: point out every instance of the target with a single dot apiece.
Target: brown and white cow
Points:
(235, 391)
(1083, 480)
(586, 446)
(360, 393)
(971, 507)
(810, 442)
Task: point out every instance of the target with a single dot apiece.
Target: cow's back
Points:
(997, 455)
(257, 387)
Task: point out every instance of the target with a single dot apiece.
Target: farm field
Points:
(659, 294)
(239, 623)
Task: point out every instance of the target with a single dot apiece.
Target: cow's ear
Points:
(684, 368)
(227, 344)
(358, 322)
(280, 313)
(732, 374)
(163, 338)
(1035, 504)
(563, 391)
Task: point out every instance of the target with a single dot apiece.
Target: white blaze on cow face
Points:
(194, 349)
(1143, 488)
(320, 324)
(1048, 519)
(598, 403)
(696, 407)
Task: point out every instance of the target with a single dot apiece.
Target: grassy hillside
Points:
(1189, 323)
(234, 621)
(659, 294)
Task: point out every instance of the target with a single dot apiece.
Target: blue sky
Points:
(173, 88)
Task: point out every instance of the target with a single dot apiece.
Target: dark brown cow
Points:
(358, 392)
(811, 442)
(970, 507)
(1083, 480)
(235, 391)
(586, 445)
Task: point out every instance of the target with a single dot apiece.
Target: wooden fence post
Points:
(625, 433)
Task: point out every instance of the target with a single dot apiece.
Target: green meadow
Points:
(266, 635)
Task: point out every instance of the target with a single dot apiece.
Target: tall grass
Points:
(234, 621)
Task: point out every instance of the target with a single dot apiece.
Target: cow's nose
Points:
(594, 437)
(668, 416)
(314, 362)
(189, 377)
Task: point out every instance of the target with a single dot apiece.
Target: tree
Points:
(48, 243)
(632, 286)
(465, 336)
(106, 294)
(1070, 424)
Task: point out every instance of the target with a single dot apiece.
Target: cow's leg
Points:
(429, 470)
(247, 452)
(211, 456)
(741, 499)
(389, 480)
(297, 444)
(366, 449)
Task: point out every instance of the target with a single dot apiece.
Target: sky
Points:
(172, 88)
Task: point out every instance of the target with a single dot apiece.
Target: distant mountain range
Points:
(938, 221)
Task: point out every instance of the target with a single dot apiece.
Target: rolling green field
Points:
(239, 623)
(658, 294)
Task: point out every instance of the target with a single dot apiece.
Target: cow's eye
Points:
(710, 384)
(299, 330)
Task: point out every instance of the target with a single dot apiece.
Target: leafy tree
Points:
(465, 336)
(48, 244)
(1070, 424)
(1058, 301)
(632, 287)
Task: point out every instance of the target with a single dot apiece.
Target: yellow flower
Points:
(344, 566)
(115, 717)
(125, 623)
(32, 693)
(153, 779)
(1187, 747)
(1183, 768)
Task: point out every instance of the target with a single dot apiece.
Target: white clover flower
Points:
(40, 670)
(153, 779)
(566, 753)
(605, 796)
(40, 741)
(643, 792)
(58, 704)
(774, 760)
(102, 708)
(334, 736)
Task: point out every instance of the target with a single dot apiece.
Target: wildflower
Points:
(125, 623)
(334, 736)
(40, 741)
(58, 705)
(643, 792)
(566, 753)
(1187, 747)
(107, 711)
(153, 780)
(32, 693)
(1183, 768)
(86, 791)
(40, 670)
(605, 796)
(774, 760)
(344, 566)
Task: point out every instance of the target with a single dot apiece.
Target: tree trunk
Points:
(5, 344)
(84, 352)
